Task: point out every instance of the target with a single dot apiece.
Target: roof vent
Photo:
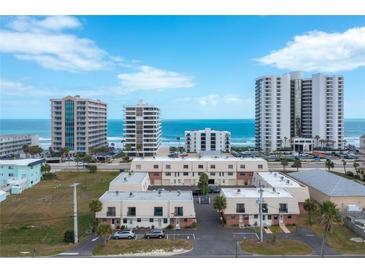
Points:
(159, 192)
(178, 193)
(288, 182)
(130, 194)
(282, 178)
(238, 190)
(273, 189)
(125, 179)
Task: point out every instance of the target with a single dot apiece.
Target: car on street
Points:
(197, 192)
(124, 234)
(214, 189)
(155, 234)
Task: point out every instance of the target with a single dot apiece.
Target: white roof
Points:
(2, 192)
(146, 196)
(254, 193)
(197, 159)
(20, 162)
(129, 178)
(278, 180)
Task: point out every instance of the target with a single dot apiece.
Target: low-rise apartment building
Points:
(11, 145)
(279, 181)
(278, 207)
(186, 171)
(207, 140)
(130, 181)
(18, 175)
(147, 209)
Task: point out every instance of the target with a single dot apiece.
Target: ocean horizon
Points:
(242, 130)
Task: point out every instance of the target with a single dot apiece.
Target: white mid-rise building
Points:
(299, 113)
(207, 140)
(12, 144)
(142, 129)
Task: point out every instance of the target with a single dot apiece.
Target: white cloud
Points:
(44, 41)
(213, 99)
(321, 51)
(150, 78)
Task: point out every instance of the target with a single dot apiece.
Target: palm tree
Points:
(45, 168)
(329, 216)
(104, 230)
(284, 163)
(64, 151)
(178, 139)
(310, 206)
(285, 141)
(95, 206)
(322, 143)
(297, 163)
(220, 204)
(356, 166)
(139, 148)
(26, 150)
(329, 164)
(203, 183)
(344, 165)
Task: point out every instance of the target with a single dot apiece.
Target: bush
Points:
(68, 236)
(357, 176)
(350, 173)
(48, 176)
(92, 168)
(169, 227)
(193, 225)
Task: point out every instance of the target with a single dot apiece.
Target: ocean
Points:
(243, 130)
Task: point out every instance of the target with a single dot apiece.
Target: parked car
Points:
(197, 192)
(214, 189)
(173, 155)
(124, 234)
(155, 234)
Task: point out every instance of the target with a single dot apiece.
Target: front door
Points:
(177, 226)
(281, 219)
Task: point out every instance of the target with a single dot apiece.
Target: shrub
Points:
(169, 227)
(357, 176)
(68, 236)
(193, 225)
(48, 176)
(350, 173)
(92, 168)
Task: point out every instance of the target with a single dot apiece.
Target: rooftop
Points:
(329, 183)
(197, 159)
(22, 162)
(129, 178)
(279, 180)
(154, 195)
(254, 193)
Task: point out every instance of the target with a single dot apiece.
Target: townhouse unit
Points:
(297, 112)
(279, 207)
(142, 129)
(18, 175)
(130, 181)
(78, 124)
(186, 171)
(207, 140)
(279, 181)
(11, 145)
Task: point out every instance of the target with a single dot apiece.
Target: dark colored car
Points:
(214, 189)
(197, 192)
(155, 234)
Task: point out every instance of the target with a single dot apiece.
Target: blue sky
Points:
(190, 66)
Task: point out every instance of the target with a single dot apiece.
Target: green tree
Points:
(284, 163)
(45, 168)
(329, 164)
(329, 216)
(35, 150)
(92, 168)
(344, 165)
(64, 151)
(139, 149)
(297, 164)
(178, 139)
(356, 166)
(26, 150)
(203, 183)
(220, 204)
(104, 230)
(311, 207)
(172, 149)
(95, 206)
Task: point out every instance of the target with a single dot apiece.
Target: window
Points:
(269, 217)
(283, 208)
(185, 220)
(255, 216)
(158, 211)
(179, 211)
(275, 217)
(289, 216)
(246, 218)
(240, 208)
(186, 173)
(212, 174)
(168, 166)
(151, 220)
(110, 211)
(242, 166)
(138, 220)
(260, 166)
(242, 173)
(124, 221)
(230, 173)
(200, 166)
(131, 211)
(165, 220)
(186, 166)
(212, 166)
(11, 174)
(155, 166)
(168, 173)
(264, 208)
(230, 166)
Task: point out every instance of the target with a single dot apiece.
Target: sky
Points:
(192, 67)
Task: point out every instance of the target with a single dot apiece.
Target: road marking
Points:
(309, 235)
(69, 254)
(93, 240)
(246, 233)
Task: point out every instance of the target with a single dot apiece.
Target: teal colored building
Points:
(18, 175)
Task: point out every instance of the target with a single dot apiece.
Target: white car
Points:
(124, 234)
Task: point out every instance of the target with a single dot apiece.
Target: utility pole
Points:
(76, 238)
(260, 201)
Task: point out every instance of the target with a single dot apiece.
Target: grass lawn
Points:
(279, 247)
(338, 238)
(117, 247)
(37, 219)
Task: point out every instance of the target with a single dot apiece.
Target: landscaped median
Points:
(277, 247)
(143, 247)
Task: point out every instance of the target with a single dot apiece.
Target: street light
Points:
(76, 238)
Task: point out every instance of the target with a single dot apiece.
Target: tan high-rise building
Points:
(78, 124)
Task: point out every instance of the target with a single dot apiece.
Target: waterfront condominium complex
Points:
(78, 124)
(207, 140)
(12, 144)
(142, 129)
(299, 113)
